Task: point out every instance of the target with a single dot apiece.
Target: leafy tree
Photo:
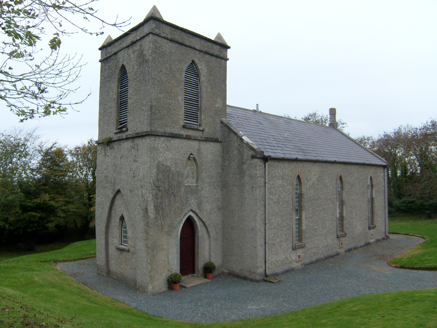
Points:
(321, 119)
(17, 156)
(411, 153)
(36, 82)
(84, 162)
(47, 191)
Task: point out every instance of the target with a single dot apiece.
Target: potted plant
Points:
(209, 268)
(175, 279)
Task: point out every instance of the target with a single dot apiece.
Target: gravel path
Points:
(362, 271)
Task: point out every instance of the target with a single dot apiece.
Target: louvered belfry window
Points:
(123, 92)
(191, 96)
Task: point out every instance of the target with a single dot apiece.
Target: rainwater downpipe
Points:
(386, 200)
(266, 238)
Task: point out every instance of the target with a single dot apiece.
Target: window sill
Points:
(192, 127)
(299, 245)
(120, 130)
(341, 234)
(372, 226)
(122, 248)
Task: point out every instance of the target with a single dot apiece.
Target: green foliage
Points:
(209, 267)
(175, 278)
(412, 205)
(411, 154)
(84, 161)
(47, 192)
(35, 79)
(107, 140)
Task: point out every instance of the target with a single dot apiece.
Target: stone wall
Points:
(243, 208)
(319, 187)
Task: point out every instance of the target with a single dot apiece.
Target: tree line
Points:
(47, 190)
(411, 154)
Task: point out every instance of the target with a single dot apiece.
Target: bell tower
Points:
(161, 77)
(162, 96)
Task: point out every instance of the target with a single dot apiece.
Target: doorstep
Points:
(190, 281)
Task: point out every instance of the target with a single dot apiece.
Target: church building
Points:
(183, 178)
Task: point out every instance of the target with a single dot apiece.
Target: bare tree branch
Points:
(38, 82)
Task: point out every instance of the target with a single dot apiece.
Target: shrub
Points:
(175, 278)
(209, 267)
(407, 205)
(414, 206)
(431, 205)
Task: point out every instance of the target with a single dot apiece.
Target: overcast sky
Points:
(375, 61)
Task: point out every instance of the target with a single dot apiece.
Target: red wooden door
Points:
(187, 248)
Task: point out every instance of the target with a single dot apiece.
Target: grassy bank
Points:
(423, 255)
(34, 293)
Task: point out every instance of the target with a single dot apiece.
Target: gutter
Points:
(315, 160)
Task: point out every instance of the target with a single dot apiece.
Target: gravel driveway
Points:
(225, 298)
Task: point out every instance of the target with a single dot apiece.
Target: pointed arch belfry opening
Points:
(123, 97)
(187, 248)
(192, 96)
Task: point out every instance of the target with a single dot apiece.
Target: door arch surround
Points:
(202, 248)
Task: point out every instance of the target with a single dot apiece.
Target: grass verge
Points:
(423, 256)
(34, 294)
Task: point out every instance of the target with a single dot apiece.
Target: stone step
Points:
(190, 281)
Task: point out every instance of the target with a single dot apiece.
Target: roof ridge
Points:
(281, 116)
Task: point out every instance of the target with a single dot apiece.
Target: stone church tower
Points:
(159, 180)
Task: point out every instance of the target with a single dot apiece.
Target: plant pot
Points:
(176, 286)
(208, 275)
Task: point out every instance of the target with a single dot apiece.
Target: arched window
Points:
(124, 237)
(192, 96)
(123, 92)
(370, 204)
(340, 205)
(298, 211)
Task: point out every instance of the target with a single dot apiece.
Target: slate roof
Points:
(282, 137)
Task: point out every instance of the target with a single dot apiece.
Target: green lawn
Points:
(10, 252)
(33, 293)
(423, 255)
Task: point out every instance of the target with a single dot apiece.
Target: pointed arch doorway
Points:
(187, 248)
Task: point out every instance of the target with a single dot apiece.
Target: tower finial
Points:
(154, 12)
(107, 40)
(220, 38)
